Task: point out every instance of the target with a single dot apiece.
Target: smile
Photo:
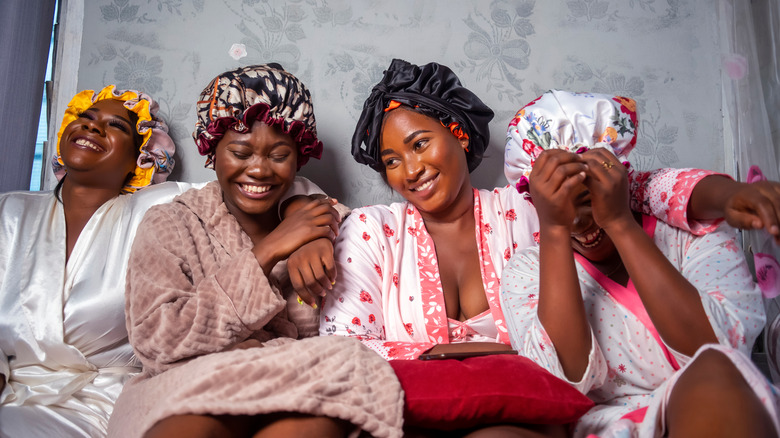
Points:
(88, 144)
(424, 186)
(255, 189)
(591, 239)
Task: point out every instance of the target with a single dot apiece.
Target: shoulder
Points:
(25, 199)
(379, 214)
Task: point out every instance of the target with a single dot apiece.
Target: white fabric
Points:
(627, 369)
(63, 342)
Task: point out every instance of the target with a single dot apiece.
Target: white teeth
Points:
(87, 143)
(255, 189)
(423, 186)
(591, 239)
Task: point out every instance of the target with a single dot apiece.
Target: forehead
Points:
(401, 122)
(111, 106)
(259, 136)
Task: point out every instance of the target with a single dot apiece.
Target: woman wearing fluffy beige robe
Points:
(210, 309)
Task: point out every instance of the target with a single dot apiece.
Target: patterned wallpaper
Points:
(663, 53)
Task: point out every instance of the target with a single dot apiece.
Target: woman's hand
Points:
(755, 206)
(554, 180)
(743, 205)
(608, 185)
(312, 269)
(315, 219)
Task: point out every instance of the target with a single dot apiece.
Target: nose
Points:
(93, 125)
(414, 169)
(258, 168)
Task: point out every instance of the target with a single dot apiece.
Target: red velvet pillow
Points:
(455, 394)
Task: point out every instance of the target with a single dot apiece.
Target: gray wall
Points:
(662, 53)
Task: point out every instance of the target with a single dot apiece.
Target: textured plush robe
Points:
(194, 291)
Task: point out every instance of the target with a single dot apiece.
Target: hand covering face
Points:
(266, 93)
(155, 161)
(431, 87)
(571, 121)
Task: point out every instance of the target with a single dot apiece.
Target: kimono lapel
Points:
(628, 296)
(434, 310)
(221, 226)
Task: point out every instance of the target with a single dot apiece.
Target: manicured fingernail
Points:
(313, 305)
(300, 301)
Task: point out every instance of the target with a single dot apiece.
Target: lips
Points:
(589, 240)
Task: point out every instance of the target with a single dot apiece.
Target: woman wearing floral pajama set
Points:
(644, 332)
(393, 289)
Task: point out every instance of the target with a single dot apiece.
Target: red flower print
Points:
(356, 320)
(514, 245)
(378, 270)
(541, 346)
(349, 259)
(395, 280)
(412, 231)
(507, 254)
(622, 368)
(536, 237)
(371, 318)
(487, 228)
(366, 236)
(531, 148)
(362, 217)
(365, 297)
(389, 231)
(409, 329)
(409, 211)
(510, 215)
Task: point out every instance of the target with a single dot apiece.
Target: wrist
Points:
(554, 232)
(265, 257)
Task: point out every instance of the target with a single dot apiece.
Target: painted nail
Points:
(300, 301)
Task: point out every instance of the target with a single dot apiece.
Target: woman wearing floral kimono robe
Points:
(653, 323)
(64, 354)
(424, 274)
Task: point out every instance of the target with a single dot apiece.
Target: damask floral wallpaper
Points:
(662, 53)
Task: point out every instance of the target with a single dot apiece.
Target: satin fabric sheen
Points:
(62, 327)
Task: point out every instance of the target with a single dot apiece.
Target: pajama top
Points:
(630, 370)
(388, 292)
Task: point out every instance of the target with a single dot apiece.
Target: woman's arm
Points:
(672, 303)
(354, 307)
(743, 205)
(175, 312)
(555, 181)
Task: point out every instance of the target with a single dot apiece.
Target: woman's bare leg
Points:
(525, 431)
(712, 399)
(292, 425)
(202, 426)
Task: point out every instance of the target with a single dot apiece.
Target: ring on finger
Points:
(607, 165)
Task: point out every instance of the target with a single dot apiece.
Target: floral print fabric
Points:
(388, 292)
(628, 370)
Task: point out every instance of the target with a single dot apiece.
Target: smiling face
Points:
(254, 170)
(425, 162)
(101, 146)
(587, 238)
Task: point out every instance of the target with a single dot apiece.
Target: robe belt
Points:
(36, 384)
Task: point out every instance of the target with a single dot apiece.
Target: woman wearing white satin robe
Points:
(64, 354)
